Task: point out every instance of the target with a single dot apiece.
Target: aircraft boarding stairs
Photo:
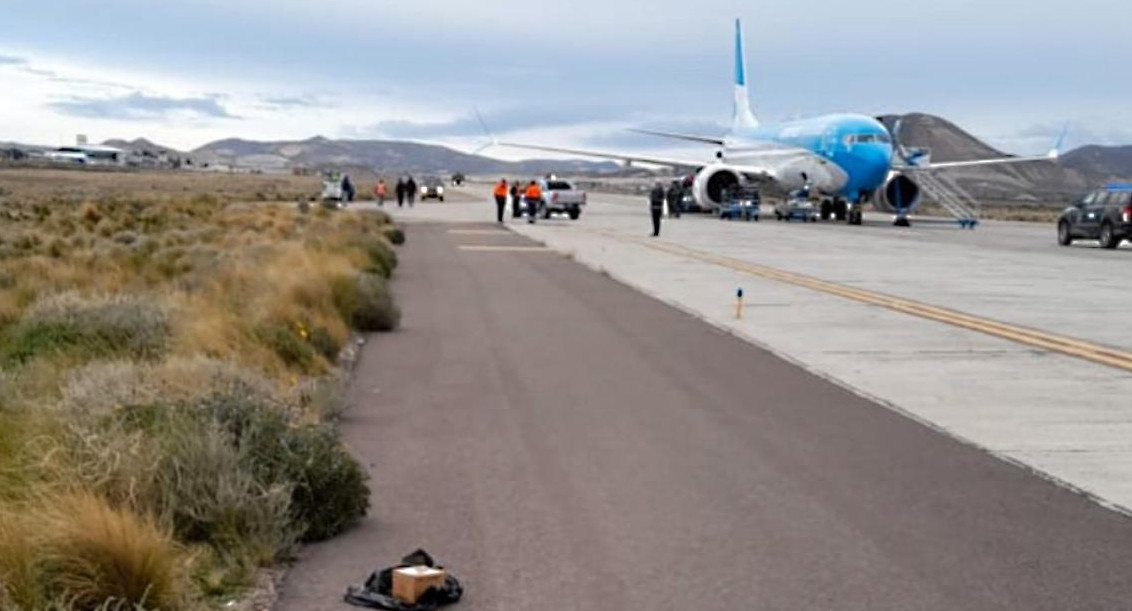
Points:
(941, 187)
(948, 194)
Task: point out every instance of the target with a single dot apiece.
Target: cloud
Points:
(24, 66)
(285, 102)
(139, 106)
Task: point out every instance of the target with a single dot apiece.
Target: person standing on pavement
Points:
(672, 196)
(379, 191)
(516, 207)
(411, 190)
(347, 189)
(500, 193)
(656, 207)
(533, 196)
(400, 189)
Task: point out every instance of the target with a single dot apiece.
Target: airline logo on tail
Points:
(743, 119)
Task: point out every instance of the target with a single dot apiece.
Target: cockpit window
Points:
(868, 138)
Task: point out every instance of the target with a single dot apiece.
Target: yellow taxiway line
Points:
(1088, 351)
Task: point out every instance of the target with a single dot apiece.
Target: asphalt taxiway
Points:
(995, 336)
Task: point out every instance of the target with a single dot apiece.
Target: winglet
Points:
(491, 139)
(1055, 152)
(486, 130)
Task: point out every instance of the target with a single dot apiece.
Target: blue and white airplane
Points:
(849, 159)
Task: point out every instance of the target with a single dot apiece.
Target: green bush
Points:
(123, 326)
(210, 496)
(328, 487)
(395, 235)
(366, 303)
(381, 256)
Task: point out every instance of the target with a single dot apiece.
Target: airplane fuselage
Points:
(843, 155)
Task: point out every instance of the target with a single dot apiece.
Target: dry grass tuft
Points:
(76, 551)
(169, 357)
(98, 553)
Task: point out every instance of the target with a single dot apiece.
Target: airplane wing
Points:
(911, 156)
(626, 157)
(688, 137)
(912, 167)
(762, 163)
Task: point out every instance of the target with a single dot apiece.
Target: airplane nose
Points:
(879, 160)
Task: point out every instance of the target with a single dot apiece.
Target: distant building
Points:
(88, 154)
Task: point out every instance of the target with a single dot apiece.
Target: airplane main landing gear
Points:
(840, 209)
(836, 209)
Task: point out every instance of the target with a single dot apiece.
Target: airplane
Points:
(849, 159)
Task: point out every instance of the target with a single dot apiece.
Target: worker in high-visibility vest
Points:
(533, 196)
(500, 193)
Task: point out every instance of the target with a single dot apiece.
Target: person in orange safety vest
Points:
(500, 193)
(533, 197)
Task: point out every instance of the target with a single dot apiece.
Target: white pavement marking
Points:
(478, 232)
(490, 248)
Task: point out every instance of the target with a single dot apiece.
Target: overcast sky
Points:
(571, 72)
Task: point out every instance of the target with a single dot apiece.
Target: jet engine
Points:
(899, 192)
(712, 182)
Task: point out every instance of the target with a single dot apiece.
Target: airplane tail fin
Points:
(743, 118)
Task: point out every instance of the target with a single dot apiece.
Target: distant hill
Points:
(1101, 162)
(140, 145)
(386, 155)
(1077, 170)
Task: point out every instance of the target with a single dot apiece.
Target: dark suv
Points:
(1104, 214)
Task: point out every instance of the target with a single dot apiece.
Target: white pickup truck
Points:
(561, 197)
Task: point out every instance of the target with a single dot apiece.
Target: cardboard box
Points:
(410, 582)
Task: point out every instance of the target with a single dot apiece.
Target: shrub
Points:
(328, 486)
(366, 303)
(324, 343)
(293, 350)
(100, 388)
(96, 553)
(209, 496)
(395, 235)
(382, 259)
(330, 492)
(128, 326)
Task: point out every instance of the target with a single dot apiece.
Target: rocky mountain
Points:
(1076, 171)
(387, 155)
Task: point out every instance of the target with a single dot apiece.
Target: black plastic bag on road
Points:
(377, 593)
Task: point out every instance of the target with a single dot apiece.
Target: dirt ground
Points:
(44, 184)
